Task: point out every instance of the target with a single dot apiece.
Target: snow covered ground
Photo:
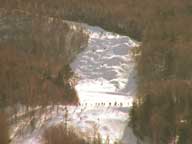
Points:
(107, 73)
(106, 89)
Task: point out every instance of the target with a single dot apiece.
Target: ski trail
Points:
(107, 81)
(106, 89)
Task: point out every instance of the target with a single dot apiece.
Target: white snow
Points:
(106, 90)
(107, 73)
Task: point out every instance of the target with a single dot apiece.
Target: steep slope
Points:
(107, 79)
(107, 62)
(106, 89)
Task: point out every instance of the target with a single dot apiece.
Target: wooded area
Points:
(35, 53)
(162, 110)
(112, 15)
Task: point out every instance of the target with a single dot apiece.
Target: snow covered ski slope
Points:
(106, 68)
(107, 82)
(106, 89)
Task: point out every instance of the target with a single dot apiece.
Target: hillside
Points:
(105, 92)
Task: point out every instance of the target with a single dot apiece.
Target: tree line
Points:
(112, 15)
(35, 53)
(162, 109)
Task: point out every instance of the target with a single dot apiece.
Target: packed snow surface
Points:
(106, 89)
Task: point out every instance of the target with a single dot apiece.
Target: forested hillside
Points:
(35, 53)
(35, 56)
(162, 110)
(113, 15)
